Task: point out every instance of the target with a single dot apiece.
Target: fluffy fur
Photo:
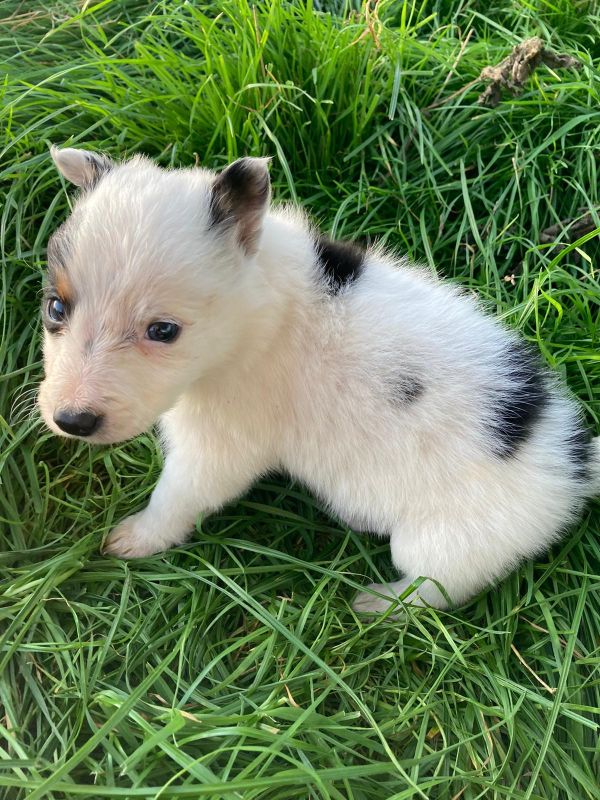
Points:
(391, 395)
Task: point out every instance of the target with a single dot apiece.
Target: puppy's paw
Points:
(131, 539)
(367, 603)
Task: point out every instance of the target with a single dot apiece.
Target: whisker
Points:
(24, 403)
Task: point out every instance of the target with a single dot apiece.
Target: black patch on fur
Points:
(580, 451)
(239, 196)
(341, 263)
(406, 390)
(413, 390)
(518, 407)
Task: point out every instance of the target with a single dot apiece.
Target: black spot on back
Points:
(413, 389)
(341, 263)
(519, 403)
(580, 451)
(406, 390)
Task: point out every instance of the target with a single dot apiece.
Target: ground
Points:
(234, 667)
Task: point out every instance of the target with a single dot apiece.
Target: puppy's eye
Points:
(57, 310)
(162, 331)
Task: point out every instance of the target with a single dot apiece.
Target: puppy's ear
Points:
(81, 167)
(240, 198)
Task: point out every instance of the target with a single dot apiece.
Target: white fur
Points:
(271, 372)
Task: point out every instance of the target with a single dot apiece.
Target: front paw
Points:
(132, 539)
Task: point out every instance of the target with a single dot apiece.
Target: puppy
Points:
(181, 296)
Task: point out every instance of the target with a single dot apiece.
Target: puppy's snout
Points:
(77, 423)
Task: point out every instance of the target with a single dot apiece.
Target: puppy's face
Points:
(148, 282)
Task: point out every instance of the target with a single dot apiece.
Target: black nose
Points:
(77, 423)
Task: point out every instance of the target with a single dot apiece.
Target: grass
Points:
(234, 667)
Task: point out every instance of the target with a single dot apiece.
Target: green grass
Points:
(234, 667)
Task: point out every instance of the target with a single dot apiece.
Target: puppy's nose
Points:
(77, 423)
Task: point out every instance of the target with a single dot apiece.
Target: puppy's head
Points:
(148, 284)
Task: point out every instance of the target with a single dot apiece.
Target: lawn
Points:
(234, 667)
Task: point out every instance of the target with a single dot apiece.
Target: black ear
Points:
(240, 199)
(81, 167)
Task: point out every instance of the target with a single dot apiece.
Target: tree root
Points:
(513, 72)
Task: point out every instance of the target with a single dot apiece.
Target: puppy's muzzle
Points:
(77, 423)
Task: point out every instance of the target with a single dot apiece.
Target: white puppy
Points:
(260, 345)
